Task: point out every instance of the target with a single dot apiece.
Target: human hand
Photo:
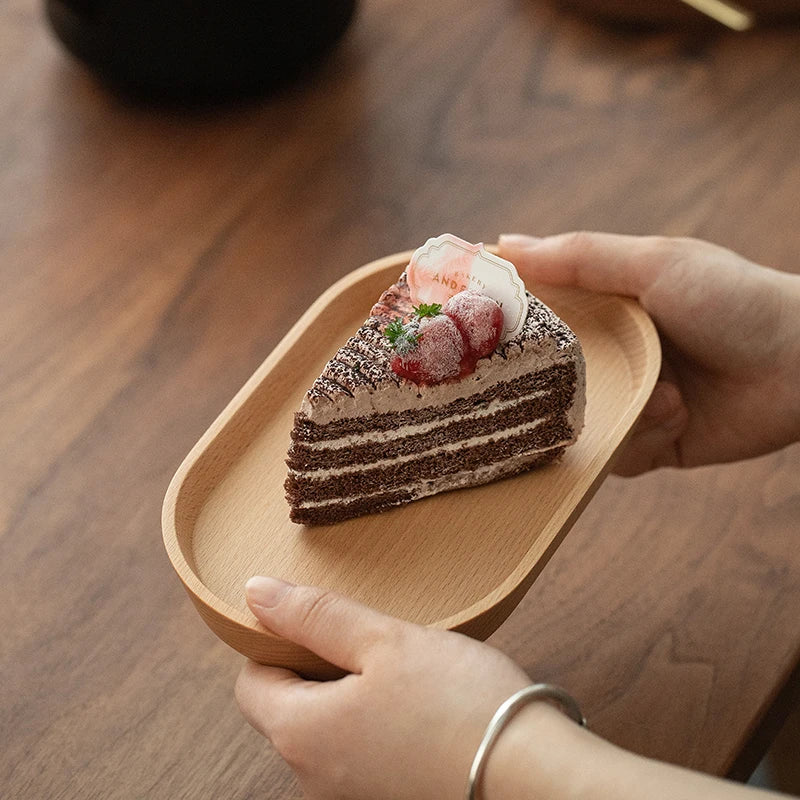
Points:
(730, 382)
(406, 722)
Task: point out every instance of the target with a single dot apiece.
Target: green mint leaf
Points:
(394, 330)
(427, 309)
(402, 337)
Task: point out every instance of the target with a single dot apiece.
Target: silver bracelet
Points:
(537, 691)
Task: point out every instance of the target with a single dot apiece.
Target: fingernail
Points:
(266, 592)
(518, 240)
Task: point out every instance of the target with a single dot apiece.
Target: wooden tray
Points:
(460, 560)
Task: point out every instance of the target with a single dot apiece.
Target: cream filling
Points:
(508, 433)
(458, 480)
(389, 398)
(413, 429)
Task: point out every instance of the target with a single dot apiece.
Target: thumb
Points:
(601, 262)
(334, 627)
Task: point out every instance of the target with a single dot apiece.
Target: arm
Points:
(730, 329)
(406, 722)
(543, 754)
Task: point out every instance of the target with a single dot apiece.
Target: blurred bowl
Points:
(198, 49)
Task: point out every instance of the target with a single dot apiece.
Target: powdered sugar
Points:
(438, 353)
(479, 318)
(441, 348)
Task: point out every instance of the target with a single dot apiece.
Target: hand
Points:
(406, 722)
(730, 382)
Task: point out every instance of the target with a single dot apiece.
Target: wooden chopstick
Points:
(730, 14)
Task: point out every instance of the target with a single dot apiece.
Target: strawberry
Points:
(437, 354)
(442, 343)
(480, 320)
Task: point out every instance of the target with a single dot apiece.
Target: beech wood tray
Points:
(460, 560)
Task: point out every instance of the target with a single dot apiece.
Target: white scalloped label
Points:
(447, 265)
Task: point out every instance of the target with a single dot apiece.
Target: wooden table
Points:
(150, 260)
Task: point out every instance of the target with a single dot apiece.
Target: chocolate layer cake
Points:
(366, 439)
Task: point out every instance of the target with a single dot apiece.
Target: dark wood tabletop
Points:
(151, 258)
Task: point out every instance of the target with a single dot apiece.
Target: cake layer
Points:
(347, 508)
(551, 431)
(337, 510)
(417, 438)
(560, 378)
(358, 381)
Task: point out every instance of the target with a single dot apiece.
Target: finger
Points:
(334, 627)
(655, 439)
(601, 262)
(267, 695)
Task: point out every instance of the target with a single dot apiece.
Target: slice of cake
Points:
(432, 396)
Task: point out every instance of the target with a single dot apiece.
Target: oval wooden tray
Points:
(460, 560)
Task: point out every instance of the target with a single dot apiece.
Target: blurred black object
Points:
(198, 50)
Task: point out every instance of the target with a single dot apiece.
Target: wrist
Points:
(539, 754)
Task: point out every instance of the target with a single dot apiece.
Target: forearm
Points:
(542, 755)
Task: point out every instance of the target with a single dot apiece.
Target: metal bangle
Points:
(537, 691)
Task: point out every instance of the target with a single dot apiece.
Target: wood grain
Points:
(151, 259)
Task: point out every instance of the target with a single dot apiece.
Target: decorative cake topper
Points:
(446, 265)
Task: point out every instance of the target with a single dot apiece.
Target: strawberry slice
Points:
(438, 353)
(480, 320)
